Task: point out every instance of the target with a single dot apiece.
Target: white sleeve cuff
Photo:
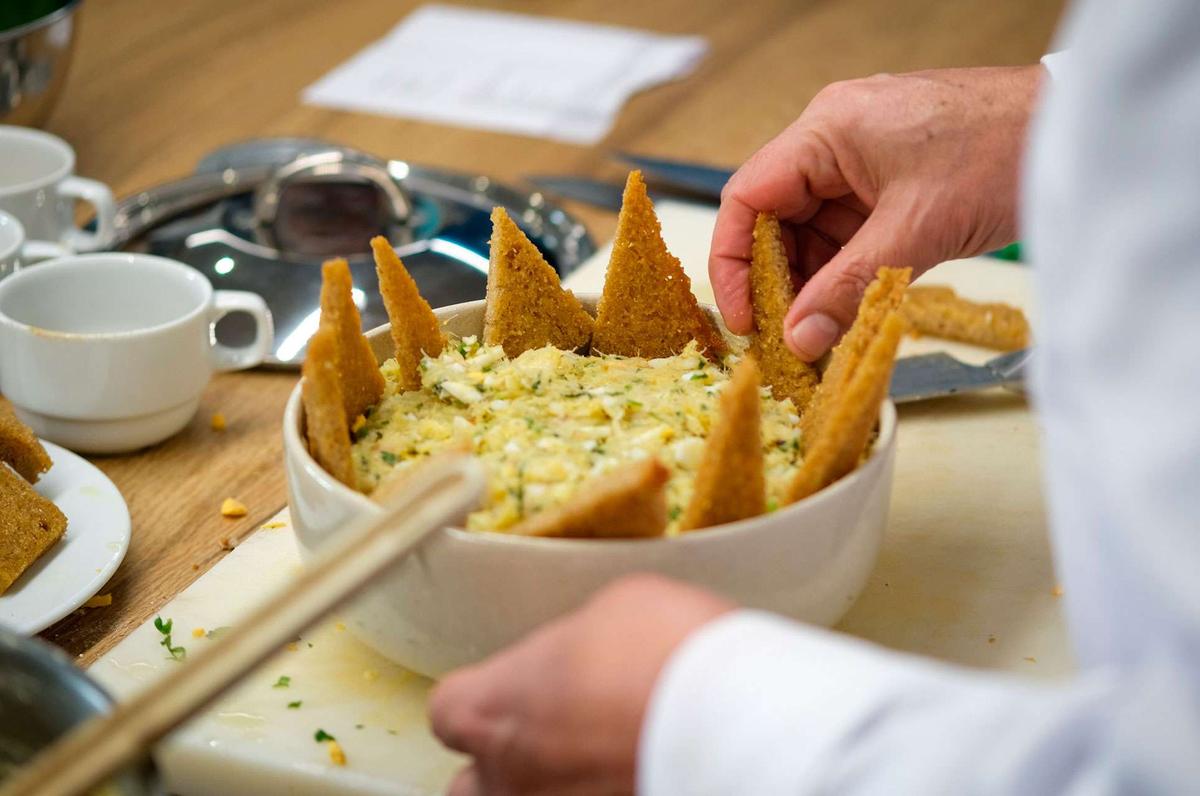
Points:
(739, 685)
(1057, 64)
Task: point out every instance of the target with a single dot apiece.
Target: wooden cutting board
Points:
(964, 575)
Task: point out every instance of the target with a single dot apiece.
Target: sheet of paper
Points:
(509, 72)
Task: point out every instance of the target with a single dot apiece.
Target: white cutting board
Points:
(964, 575)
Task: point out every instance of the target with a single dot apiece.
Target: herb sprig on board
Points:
(164, 628)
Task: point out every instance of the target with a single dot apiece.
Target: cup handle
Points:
(98, 195)
(247, 356)
(34, 251)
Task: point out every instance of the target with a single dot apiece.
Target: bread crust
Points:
(19, 447)
(837, 428)
(326, 427)
(630, 502)
(527, 306)
(731, 483)
(29, 526)
(771, 295)
(415, 329)
(361, 382)
(647, 307)
(938, 311)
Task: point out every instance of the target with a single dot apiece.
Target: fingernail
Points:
(814, 335)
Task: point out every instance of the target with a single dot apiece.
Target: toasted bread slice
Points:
(625, 503)
(731, 483)
(527, 307)
(881, 299)
(361, 381)
(647, 307)
(938, 311)
(326, 426)
(415, 329)
(843, 436)
(770, 296)
(29, 525)
(19, 447)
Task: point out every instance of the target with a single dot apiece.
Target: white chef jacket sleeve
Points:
(1056, 64)
(754, 704)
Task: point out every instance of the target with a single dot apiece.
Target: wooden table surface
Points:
(155, 86)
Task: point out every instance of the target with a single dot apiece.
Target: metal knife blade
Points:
(582, 189)
(697, 177)
(938, 375)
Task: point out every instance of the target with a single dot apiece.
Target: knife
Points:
(938, 375)
(606, 195)
(582, 189)
(699, 178)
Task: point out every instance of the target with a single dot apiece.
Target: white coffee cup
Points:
(106, 353)
(38, 186)
(16, 251)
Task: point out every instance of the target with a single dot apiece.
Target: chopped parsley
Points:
(320, 736)
(295, 705)
(388, 457)
(283, 682)
(675, 512)
(164, 627)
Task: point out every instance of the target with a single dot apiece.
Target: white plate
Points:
(85, 558)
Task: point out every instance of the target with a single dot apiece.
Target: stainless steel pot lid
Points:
(262, 216)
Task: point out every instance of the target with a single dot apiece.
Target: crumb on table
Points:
(99, 601)
(232, 507)
(218, 422)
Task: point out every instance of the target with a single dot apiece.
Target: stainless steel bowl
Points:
(34, 59)
(42, 695)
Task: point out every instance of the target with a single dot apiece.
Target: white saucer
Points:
(85, 558)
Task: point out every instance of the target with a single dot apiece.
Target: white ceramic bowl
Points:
(465, 595)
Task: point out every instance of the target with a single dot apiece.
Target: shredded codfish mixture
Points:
(544, 422)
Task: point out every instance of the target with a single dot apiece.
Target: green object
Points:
(1010, 252)
(15, 13)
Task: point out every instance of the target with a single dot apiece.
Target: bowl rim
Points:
(294, 445)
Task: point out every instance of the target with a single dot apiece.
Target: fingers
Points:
(466, 783)
(828, 302)
(729, 263)
(790, 176)
(836, 222)
(457, 711)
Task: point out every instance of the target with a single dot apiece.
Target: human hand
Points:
(892, 170)
(561, 711)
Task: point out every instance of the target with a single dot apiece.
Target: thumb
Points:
(826, 305)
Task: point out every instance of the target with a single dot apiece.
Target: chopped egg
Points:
(336, 755)
(545, 421)
(217, 422)
(231, 507)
